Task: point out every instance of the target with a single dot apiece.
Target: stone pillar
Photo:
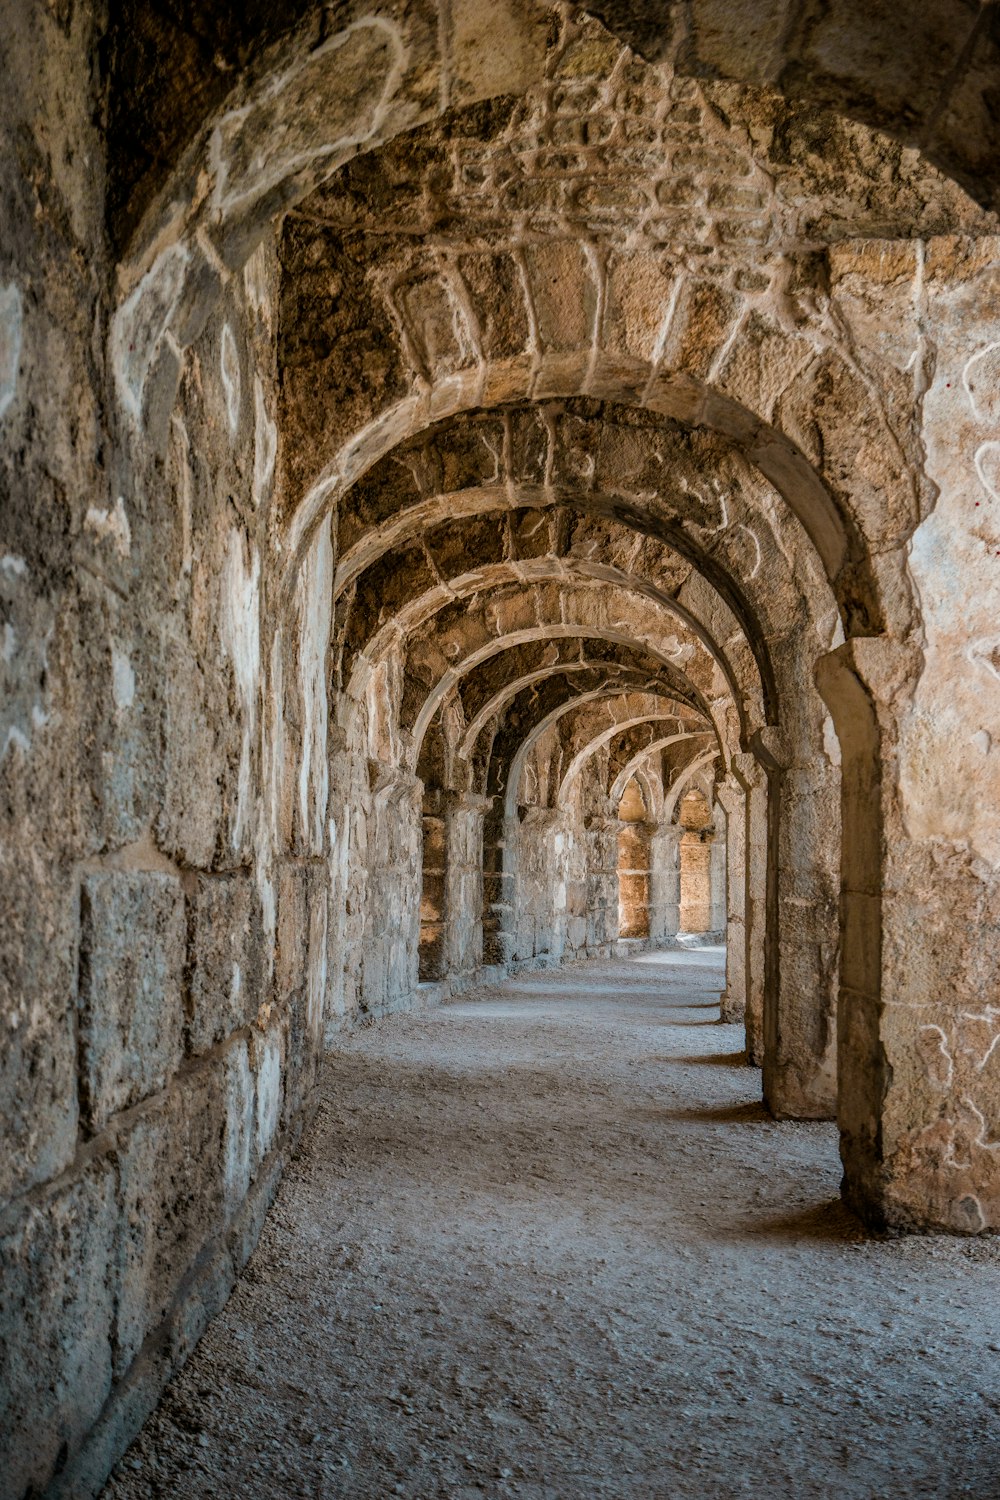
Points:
(664, 884)
(463, 888)
(918, 1023)
(390, 957)
(537, 932)
(752, 871)
(500, 854)
(433, 878)
(694, 882)
(602, 883)
(800, 963)
(733, 801)
(717, 881)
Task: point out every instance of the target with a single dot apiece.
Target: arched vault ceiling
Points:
(182, 78)
(593, 478)
(539, 705)
(609, 146)
(469, 632)
(571, 677)
(631, 459)
(668, 678)
(672, 773)
(621, 741)
(574, 730)
(526, 665)
(534, 695)
(695, 651)
(614, 216)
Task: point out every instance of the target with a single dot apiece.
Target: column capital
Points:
(467, 802)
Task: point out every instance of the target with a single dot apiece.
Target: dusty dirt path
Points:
(545, 1243)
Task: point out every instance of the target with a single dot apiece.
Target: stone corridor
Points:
(545, 1242)
(487, 485)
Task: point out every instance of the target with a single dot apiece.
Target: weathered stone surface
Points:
(38, 1066)
(58, 1291)
(224, 959)
(132, 953)
(173, 1194)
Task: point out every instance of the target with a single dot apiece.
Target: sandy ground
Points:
(544, 1242)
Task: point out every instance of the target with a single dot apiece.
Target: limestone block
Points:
(576, 934)
(496, 291)
(174, 1185)
(291, 955)
(564, 294)
(762, 362)
(199, 760)
(225, 958)
(703, 320)
(270, 1056)
(57, 1307)
(38, 1097)
(374, 976)
(118, 662)
(633, 890)
(132, 952)
(240, 1108)
(639, 291)
(432, 945)
(827, 409)
(437, 326)
(600, 931)
(499, 49)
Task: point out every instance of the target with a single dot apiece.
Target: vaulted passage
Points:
(546, 1242)
(489, 487)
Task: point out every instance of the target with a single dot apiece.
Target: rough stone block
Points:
(132, 943)
(118, 659)
(38, 1102)
(291, 955)
(704, 319)
(198, 763)
(225, 959)
(497, 293)
(240, 1107)
(564, 294)
(57, 1300)
(173, 1194)
(269, 1087)
(639, 291)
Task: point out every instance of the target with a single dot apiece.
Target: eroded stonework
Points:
(475, 494)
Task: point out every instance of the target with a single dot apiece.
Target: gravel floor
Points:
(545, 1242)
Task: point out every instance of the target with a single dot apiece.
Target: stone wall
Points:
(165, 957)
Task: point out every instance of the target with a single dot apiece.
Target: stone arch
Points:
(800, 1097)
(631, 383)
(542, 632)
(494, 706)
(692, 638)
(416, 613)
(599, 742)
(567, 680)
(517, 837)
(930, 106)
